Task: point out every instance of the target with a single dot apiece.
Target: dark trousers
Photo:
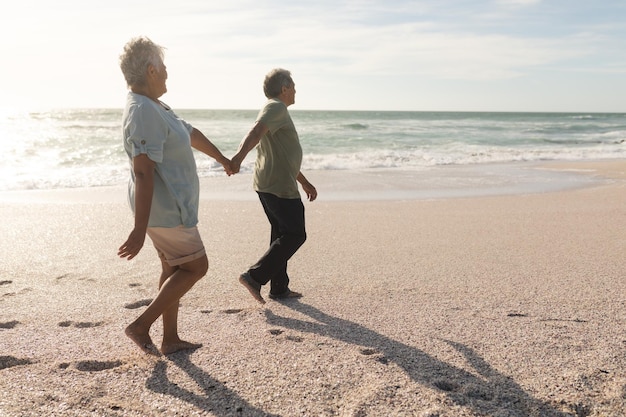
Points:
(286, 216)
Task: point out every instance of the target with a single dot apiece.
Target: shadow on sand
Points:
(217, 398)
(492, 394)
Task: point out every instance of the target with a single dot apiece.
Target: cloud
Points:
(339, 46)
(218, 52)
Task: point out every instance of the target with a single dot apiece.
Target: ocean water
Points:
(82, 147)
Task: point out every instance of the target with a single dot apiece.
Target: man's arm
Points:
(247, 144)
(308, 188)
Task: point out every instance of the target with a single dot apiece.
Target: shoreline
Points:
(440, 182)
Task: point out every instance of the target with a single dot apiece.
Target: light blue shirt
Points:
(152, 129)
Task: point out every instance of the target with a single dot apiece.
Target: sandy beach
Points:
(493, 304)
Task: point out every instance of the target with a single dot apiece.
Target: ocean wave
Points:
(454, 155)
(73, 174)
(83, 148)
(356, 126)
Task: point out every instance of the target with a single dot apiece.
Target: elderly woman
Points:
(163, 191)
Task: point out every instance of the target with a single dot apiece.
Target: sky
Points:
(419, 55)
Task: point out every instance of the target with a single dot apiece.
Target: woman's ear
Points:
(151, 70)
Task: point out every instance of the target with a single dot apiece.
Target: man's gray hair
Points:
(138, 54)
(274, 82)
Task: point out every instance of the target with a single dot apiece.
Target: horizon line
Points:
(179, 109)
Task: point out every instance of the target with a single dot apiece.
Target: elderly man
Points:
(276, 177)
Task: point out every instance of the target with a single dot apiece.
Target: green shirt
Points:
(279, 154)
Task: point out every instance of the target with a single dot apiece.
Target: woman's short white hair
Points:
(138, 54)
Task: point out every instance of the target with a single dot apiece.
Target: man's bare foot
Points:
(169, 348)
(141, 339)
(252, 286)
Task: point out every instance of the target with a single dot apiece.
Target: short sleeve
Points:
(146, 132)
(187, 125)
(273, 115)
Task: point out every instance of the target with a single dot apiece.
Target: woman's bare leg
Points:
(171, 341)
(171, 288)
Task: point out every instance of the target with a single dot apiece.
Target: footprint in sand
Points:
(565, 320)
(81, 324)
(88, 324)
(6, 282)
(9, 324)
(480, 393)
(446, 385)
(22, 291)
(11, 361)
(137, 304)
(278, 332)
(97, 366)
(206, 311)
(233, 311)
(134, 284)
(383, 360)
(376, 355)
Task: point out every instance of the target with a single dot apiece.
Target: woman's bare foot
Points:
(172, 347)
(141, 339)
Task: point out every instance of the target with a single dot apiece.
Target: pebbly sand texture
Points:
(484, 306)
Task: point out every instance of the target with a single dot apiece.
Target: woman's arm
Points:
(143, 168)
(204, 145)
